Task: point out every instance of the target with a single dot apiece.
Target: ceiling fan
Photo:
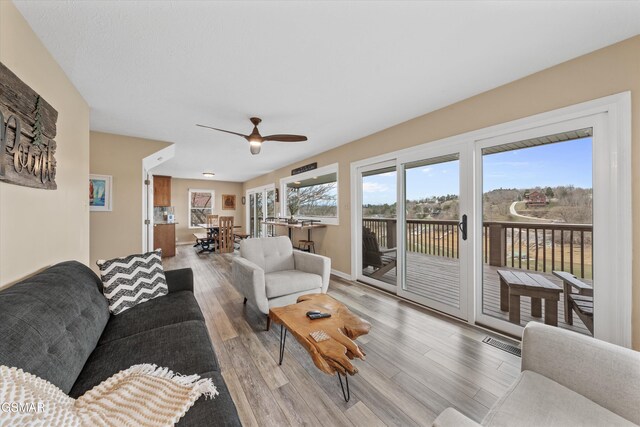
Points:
(256, 140)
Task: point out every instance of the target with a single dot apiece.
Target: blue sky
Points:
(566, 163)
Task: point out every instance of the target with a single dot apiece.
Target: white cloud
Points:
(374, 187)
(388, 174)
(426, 170)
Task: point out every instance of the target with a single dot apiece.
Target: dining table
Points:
(212, 229)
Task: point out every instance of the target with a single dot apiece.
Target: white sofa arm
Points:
(605, 373)
(314, 263)
(452, 418)
(248, 279)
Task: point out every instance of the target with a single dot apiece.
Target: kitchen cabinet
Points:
(164, 237)
(161, 190)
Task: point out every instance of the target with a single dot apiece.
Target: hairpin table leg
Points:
(283, 339)
(346, 395)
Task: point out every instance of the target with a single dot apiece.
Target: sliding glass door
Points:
(251, 215)
(377, 225)
(523, 222)
(538, 196)
(261, 206)
(435, 230)
(411, 231)
(259, 216)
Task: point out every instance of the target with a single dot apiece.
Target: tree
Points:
(548, 192)
(315, 200)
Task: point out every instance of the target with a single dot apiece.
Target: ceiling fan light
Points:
(208, 174)
(254, 147)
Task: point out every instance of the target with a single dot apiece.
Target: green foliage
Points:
(548, 192)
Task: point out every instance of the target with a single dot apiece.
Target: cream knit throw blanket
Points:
(143, 395)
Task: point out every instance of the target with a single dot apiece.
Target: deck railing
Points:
(524, 245)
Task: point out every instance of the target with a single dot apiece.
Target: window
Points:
(312, 195)
(200, 205)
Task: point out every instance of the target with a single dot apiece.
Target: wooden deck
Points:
(437, 278)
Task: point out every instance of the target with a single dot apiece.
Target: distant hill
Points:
(565, 204)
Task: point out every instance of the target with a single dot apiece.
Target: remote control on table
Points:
(313, 315)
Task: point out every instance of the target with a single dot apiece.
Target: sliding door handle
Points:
(462, 225)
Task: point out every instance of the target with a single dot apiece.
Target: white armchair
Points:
(269, 273)
(566, 379)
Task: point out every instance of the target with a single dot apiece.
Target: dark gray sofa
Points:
(57, 325)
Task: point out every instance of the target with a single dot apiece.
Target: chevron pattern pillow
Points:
(132, 280)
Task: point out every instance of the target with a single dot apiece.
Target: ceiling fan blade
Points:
(285, 138)
(226, 131)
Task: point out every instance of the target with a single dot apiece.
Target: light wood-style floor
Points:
(418, 363)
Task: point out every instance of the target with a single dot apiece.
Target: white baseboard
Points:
(341, 275)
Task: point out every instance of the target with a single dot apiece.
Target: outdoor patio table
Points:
(514, 284)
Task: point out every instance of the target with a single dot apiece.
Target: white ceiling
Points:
(334, 71)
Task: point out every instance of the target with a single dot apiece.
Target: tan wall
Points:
(180, 200)
(119, 232)
(42, 227)
(604, 72)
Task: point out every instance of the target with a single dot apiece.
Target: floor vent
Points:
(503, 346)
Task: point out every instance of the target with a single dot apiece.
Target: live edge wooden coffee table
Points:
(334, 355)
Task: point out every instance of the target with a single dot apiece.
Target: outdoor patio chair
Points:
(382, 261)
(581, 301)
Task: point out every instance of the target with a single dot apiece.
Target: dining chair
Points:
(225, 236)
(212, 220)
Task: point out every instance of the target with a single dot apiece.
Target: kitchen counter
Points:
(164, 238)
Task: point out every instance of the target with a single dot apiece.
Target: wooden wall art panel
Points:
(27, 132)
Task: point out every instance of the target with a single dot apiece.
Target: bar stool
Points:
(307, 245)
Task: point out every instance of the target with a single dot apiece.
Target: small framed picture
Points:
(228, 202)
(100, 196)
